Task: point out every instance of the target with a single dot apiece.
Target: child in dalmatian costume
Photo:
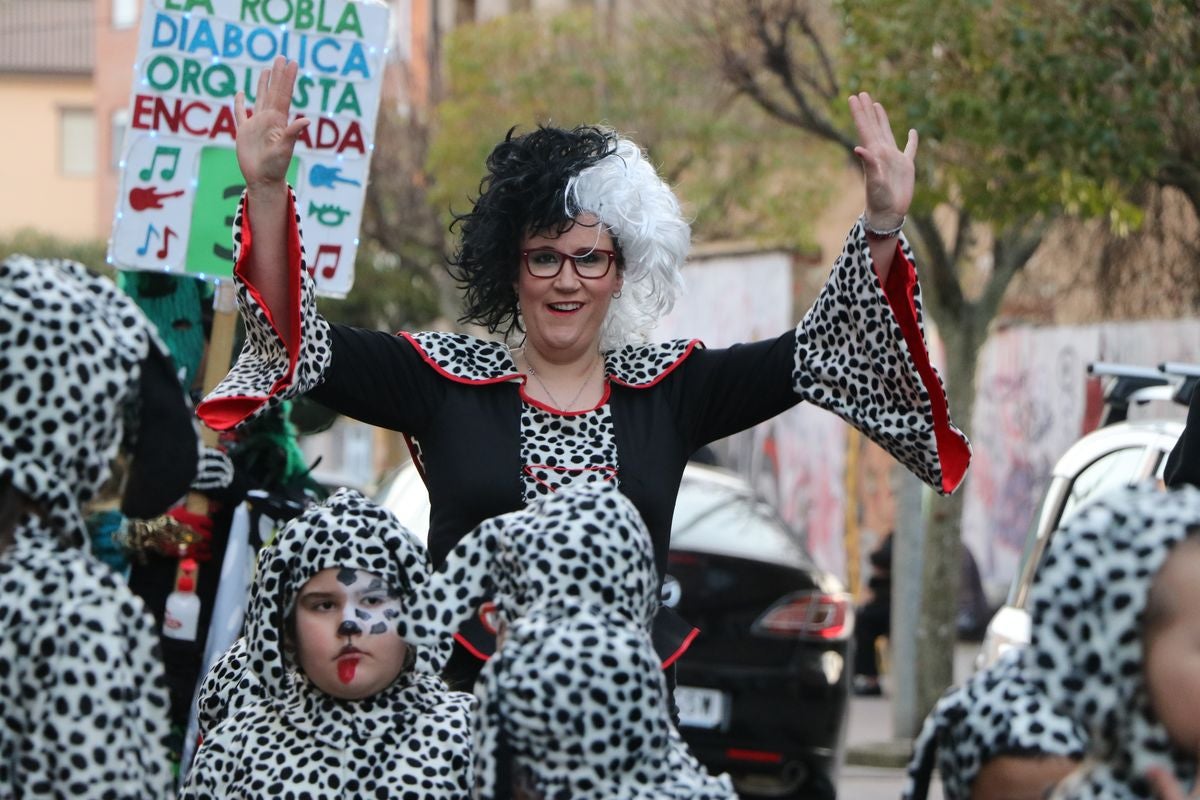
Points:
(582, 397)
(1119, 588)
(584, 543)
(997, 729)
(83, 704)
(347, 723)
(572, 706)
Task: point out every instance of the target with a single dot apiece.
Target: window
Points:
(77, 142)
(117, 128)
(124, 13)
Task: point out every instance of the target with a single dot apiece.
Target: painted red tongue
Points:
(346, 669)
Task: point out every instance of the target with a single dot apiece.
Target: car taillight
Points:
(809, 615)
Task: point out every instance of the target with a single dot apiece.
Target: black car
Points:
(763, 690)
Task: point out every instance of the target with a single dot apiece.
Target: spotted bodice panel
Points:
(560, 450)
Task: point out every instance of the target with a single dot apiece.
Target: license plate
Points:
(700, 708)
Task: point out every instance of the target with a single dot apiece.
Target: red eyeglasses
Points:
(546, 262)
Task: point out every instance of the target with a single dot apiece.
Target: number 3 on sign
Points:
(328, 257)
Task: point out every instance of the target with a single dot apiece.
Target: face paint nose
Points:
(348, 628)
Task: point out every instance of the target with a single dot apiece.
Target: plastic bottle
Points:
(182, 616)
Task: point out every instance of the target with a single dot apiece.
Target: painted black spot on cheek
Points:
(363, 615)
(378, 628)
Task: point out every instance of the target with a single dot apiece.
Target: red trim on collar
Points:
(692, 345)
(954, 453)
(450, 376)
(683, 648)
(559, 413)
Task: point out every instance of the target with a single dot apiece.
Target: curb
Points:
(892, 754)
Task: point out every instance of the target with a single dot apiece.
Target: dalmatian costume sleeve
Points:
(274, 364)
(1087, 601)
(998, 711)
(573, 705)
(280, 734)
(83, 704)
(860, 353)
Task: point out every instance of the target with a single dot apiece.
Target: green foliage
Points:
(739, 175)
(1029, 106)
(37, 244)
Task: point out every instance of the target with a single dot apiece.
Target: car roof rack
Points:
(1128, 383)
(1191, 377)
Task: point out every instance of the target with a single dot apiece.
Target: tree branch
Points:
(945, 290)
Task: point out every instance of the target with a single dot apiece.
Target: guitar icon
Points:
(144, 197)
(323, 177)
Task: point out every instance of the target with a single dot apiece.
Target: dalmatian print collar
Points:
(573, 705)
(997, 711)
(1087, 603)
(586, 543)
(467, 359)
(346, 532)
(65, 397)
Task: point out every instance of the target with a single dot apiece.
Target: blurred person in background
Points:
(83, 706)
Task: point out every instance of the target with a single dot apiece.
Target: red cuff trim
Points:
(470, 648)
(225, 413)
(683, 648)
(692, 345)
(448, 375)
(953, 452)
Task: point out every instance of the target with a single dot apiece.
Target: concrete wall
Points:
(36, 193)
(113, 77)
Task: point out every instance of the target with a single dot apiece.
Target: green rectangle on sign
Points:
(210, 239)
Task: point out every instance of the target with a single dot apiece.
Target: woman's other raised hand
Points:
(890, 173)
(265, 138)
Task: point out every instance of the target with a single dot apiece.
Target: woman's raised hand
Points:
(890, 172)
(265, 139)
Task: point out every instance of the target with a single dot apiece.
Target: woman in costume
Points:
(575, 245)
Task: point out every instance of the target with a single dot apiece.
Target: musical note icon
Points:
(166, 173)
(168, 232)
(324, 177)
(151, 231)
(334, 253)
(144, 197)
(330, 215)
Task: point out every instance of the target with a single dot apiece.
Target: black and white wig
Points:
(540, 182)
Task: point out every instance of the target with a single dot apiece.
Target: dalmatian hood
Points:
(1088, 601)
(346, 531)
(83, 373)
(574, 705)
(584, 543)
(997, 711)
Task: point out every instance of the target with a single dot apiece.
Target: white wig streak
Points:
(626, 194)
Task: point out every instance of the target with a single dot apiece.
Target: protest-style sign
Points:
(180, 182)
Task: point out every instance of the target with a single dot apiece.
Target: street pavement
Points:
(870, 726)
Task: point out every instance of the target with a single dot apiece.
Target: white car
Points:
(1117, 455)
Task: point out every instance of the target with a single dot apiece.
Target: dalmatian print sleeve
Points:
(860, 353)
(97, 712)
(274, 364)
